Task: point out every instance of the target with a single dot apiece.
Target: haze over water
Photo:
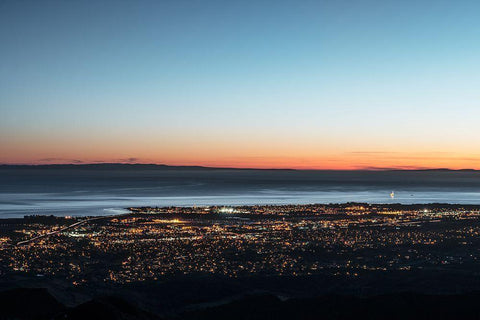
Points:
(95, 191)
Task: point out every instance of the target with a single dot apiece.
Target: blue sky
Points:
(255, 78)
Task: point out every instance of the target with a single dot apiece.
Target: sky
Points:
(265, 84)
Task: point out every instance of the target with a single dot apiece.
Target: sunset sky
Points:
(267, 84)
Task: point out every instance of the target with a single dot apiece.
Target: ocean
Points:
(109, 189)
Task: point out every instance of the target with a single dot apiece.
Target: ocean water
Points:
(108, 190)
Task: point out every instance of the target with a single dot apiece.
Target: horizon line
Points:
(368, 168)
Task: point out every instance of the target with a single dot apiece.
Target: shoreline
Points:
(217, 208)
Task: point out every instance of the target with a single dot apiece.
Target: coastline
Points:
(217, 208)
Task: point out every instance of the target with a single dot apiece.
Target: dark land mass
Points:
(148, 166)
(40, 304)
(120, 166)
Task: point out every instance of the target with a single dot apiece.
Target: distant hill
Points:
(122, 166)
(101, 166)
(140, 166)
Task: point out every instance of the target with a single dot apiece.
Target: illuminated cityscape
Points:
(151, 244)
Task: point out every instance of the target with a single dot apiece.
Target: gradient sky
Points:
(299, 84)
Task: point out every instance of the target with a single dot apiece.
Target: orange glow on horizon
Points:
(239, 152)
(327, 163)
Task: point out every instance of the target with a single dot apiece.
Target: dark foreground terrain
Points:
(40, 304)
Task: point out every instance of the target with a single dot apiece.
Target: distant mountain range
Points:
(117, 166)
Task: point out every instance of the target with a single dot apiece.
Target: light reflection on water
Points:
(73, 203)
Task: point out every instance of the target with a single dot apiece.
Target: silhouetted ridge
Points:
(103, 166)
(392, 306)
(107, 308)
(39, 304)
(141, 166)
